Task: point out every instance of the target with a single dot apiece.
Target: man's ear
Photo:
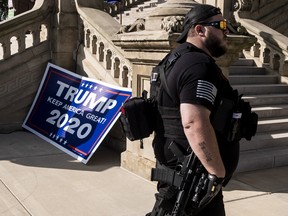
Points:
(200, 30)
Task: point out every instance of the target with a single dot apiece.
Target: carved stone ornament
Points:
(138, 25)
(236, 27)
(243, 5)
(172, 24)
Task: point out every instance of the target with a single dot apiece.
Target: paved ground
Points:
(38, 179)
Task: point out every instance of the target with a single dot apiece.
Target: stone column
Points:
(65, 32)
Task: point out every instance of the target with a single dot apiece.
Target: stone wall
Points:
(24, 53)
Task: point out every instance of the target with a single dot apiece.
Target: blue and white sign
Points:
(74, 113)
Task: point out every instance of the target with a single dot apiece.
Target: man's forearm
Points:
(205, 146)
(202, 138)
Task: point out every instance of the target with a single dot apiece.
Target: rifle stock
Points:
(194, 186)
(190, 170)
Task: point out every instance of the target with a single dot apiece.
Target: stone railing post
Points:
(36, 36)
(6, 44)
(285, 68)
(21, 42)
(115, 68)
(65, 34)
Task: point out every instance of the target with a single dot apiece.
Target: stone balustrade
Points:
(271, 47)
(34, 29)
(25, 49)
(267, 21)
(99, 50)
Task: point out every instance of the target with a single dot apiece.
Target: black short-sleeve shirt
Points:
(195, 78)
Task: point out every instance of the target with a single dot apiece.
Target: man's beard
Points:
(215, 46)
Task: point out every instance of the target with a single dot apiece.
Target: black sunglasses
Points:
(222, 24)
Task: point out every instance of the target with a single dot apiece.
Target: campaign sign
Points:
(74, 113)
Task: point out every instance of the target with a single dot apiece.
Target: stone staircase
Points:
(277, 20)
(268, 98)
(138, 11)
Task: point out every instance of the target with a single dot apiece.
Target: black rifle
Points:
(195, 186)
(190, 171)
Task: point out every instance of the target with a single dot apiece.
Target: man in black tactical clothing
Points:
(197, 87)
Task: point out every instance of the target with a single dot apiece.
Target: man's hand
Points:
(214, 185)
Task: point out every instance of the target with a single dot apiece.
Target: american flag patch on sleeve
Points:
(206, 90)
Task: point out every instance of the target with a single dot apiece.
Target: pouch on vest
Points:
(222, 116)
(140, 115)
(137, 117)
(249, 120)
(243, 122)
(234, 119)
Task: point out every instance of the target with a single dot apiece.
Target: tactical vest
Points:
(169, 117)
(233, 118)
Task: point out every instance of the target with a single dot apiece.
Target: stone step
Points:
(273, 111)
(269, 147)
(272, 124)
(262, 159)
(253, 79)
(269, 19)
(244, 62)
(261, 89)
(273, 139)
(271, 99)
(246, 70)
(141, 10)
